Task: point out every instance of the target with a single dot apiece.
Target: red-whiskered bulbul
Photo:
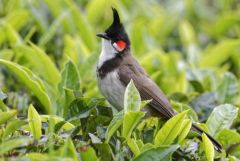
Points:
(116, 67)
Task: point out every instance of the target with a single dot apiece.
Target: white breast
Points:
(112, 89)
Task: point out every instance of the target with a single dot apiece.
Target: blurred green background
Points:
(49, 51)
(186, 46)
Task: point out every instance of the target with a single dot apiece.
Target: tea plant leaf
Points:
(208, 147)
(12, 126)
(5, 116)
(159, 153)
(228, 137)
(18, 18)
(43, 66)
(186, 126)
(68, 150)
(11, 144)
(114, 125)
(222, 117)
(130, 121)
(218, 53)
(132, 99)
(59, 122)
(70, 82)
(29, 79)
(227, 89)
(70, 77)
(87, 153)
(186, 31)
(170, 130)
(133, 146)
(34, 122)
(83, 27)
(3, 107)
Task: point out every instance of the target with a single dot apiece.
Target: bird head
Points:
(115, 35)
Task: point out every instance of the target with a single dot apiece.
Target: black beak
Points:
(103, 35)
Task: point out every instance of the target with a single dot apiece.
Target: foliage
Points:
(50, 106)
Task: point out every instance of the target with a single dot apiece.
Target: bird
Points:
(116, 67)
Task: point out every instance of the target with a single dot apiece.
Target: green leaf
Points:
(31, 81)
(133, 146)
(17, 18)
(32, 53)
(104, 151)
(170, 130)
(12, 127)
(96, 8)
(34, 122)
(34, 156)
(81, 107)
(208, 147)
(228, 137)
(68, 150)
(87, 153)
(182, 107)
(70, 82)
(130, 121)
(132, 99)
(219, 53)
(144, 103)
(70, 77)
(5, 116)
(222, 117)
(56, 119)
(114, 125)
(157, 154)
(82, 26)
(11, 144)
(227, 89)
(3, 107)
(52, 30)
(186, 127)
(186, 31)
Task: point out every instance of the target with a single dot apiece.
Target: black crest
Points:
(116, 31)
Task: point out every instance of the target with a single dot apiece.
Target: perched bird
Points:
(116, 67)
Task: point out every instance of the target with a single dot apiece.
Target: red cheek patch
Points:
(121, 44)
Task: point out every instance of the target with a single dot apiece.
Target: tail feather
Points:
(216, 144)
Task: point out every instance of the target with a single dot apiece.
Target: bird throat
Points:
(109, 66)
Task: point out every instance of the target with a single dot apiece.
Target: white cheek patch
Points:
(117, 47)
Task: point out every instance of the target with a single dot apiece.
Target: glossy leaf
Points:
(133, 146)
(228, 89)
(228, 137)
(49, 72)
(6, 116)
(30, 81)
(34, 122)
(170, 130)
(114, 125)
(130, 121)
(221, 117)
(186, 127)
(11, 144)
(12, 126)
(132, 100)
(159, 153)
(208, 147)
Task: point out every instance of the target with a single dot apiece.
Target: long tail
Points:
(216, 144)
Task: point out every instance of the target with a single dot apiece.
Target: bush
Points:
(50, 106)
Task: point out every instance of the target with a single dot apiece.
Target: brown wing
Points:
(148, 90)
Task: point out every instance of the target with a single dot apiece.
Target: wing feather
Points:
(147, 88)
